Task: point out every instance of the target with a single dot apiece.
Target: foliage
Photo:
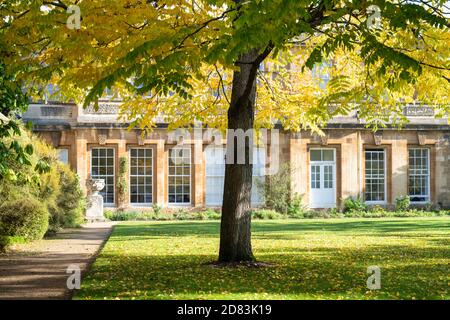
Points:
(266, 214)
(181, 66)
(13, 154)
(70, 203)
(157, 209)
(354, 204)
(56, 188)
(161, 215)
(275, 191)
(296, 208)
(122, 185)
(402, 203)
(7, 241)
(308, 259)
(27, 219)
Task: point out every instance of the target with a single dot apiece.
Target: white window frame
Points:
(385, 175)
(428, 196)
(141, 204)
(258, 175)
(180, 204)
(223, 148)
(107, 204)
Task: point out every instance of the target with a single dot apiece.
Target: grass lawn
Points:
(312, 259)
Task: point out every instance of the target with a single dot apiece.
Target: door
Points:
(322, 178)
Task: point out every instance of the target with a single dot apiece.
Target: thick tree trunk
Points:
(235, 235)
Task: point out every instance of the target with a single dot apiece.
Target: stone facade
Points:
(81, 131)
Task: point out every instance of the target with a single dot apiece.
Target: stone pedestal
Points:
(94, 211)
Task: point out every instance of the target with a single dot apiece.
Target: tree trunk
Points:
(235, 235)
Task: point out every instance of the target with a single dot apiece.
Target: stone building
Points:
(348, 161)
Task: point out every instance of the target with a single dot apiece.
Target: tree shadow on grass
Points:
(318, 273)
(286, 229)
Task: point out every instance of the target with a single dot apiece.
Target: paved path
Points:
(38, 270)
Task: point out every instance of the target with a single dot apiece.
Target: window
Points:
(321, 155)
(102, 167)
(375, 175)
(141, 176)
(321, 72)
(315, 177)
(63, 155)
(259, 166)
(419, 175)
(180, 176)
(215, 175)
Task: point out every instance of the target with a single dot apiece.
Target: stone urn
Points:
(96, 185)
(94, 211)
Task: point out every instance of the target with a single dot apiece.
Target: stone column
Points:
(198, 178)
(122, 152)
(160, 172)
(297, 152)
(81, 161)
(399, 160)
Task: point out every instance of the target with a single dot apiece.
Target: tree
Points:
(168, 57)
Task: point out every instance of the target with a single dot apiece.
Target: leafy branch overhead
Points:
(175, 58)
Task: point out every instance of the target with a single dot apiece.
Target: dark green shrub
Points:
(402, 203)
(354, 204)
(27, 218)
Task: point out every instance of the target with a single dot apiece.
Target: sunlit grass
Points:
(312, 259)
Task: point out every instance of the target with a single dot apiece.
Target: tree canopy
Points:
(176, 57)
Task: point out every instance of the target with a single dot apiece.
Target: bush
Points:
(402, 203)
(27, 219)
(6, 241)
(295, 207)
(275, 190)
(265, 214)
(354, 204)
(70, 205)
(56, 189)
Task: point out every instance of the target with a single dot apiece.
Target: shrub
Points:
(70, 203)
(295, 207)
(266, 214)
(275, 190)
(122, 185)
(402, 203)
(157, 209)
(27, 219)
(354, 204)
(212, 214)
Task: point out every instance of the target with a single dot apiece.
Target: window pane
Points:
(375, 175)
(141, 175)
(179, 175)
(419, 175)
(328, 155)
(315, 155)
(103, 168)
